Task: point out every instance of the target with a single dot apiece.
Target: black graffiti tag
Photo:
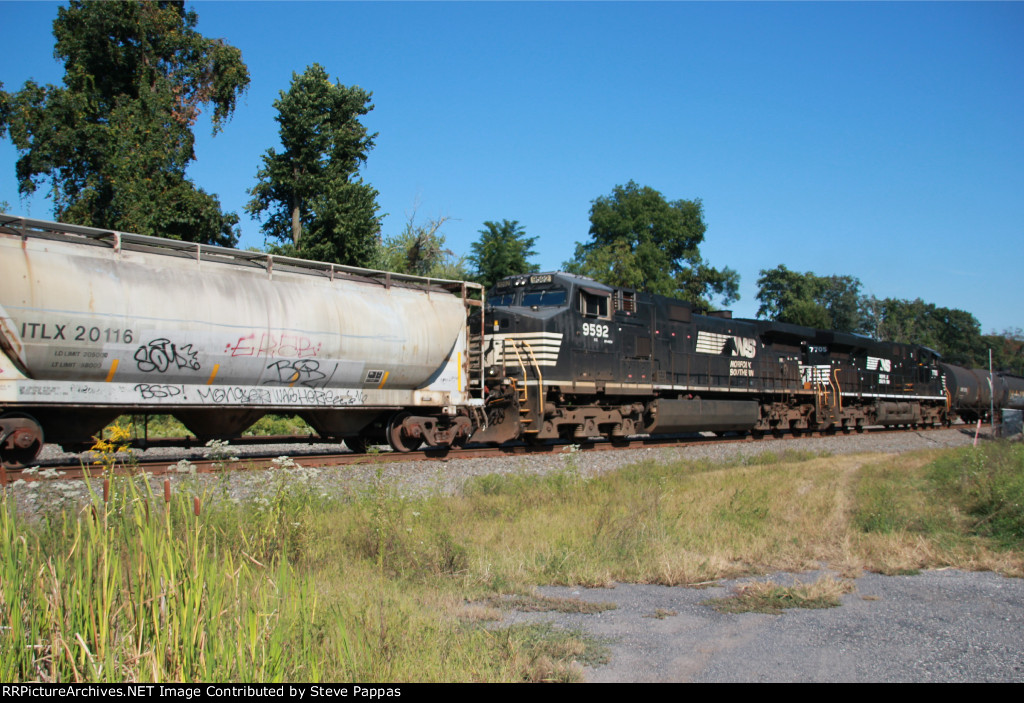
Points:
(153, 391)
(301, 372)
(160, 354)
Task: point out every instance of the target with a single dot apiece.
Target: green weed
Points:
(987, 483)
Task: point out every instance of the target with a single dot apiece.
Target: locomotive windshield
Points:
(501, 301)
(548, 298)
(544, 298)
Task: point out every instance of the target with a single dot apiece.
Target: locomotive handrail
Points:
(540, 380)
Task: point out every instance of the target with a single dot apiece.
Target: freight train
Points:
(96, 323)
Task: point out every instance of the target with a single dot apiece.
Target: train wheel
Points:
(399, 440)
(22, 440)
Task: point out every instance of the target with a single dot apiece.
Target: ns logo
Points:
(743, 346)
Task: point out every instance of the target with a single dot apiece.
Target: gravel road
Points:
(950, 626)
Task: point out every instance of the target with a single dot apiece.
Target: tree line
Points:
(112, 144)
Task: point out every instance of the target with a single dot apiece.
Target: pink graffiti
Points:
(274, 345)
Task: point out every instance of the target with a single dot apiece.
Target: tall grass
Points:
(378, 585)
(987, 483)
(138, 589)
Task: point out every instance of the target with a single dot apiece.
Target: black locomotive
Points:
(566, 357)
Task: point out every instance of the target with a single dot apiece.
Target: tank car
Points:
(975, 392)
(565, 356)
(96, 323)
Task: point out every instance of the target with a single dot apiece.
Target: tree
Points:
(639, 240)
(823, 302)
(502, 250)
(309, 192)
(420, 250)
(5, 110)
(115, 140)
(955, 334)
(1007, 350)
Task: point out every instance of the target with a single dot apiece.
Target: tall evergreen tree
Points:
(502, 250)
(114, 141)
(310, 192)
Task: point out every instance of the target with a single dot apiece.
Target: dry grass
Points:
(684, 525)
(773, 598)
(537, 603)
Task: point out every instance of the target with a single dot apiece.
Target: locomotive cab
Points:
(561, 322)
(556, 341)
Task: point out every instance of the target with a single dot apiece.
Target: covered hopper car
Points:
(96, 323)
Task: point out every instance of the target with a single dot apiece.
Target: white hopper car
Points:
(96, 323)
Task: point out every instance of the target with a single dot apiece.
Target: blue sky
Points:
(879, 140)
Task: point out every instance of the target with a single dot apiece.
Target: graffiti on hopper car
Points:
(161, 354)
(299, 372)
(176, 394)
(272, 345)
(247, 395)
(158, 391)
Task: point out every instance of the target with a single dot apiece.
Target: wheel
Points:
(28, 443)
(398, 439)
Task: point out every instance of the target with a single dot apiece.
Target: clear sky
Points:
(879, 140)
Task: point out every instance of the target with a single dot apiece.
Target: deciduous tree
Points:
(640, 240)
(114, 141)
(420, 250)
(822, 302)
(310, 193)
(1007, 350)
(956, 334)
(502, 250)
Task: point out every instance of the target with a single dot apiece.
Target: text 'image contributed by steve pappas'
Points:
(188, 692)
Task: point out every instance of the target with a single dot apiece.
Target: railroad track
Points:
(78, 467)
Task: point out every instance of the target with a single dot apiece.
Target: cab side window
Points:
(594, 304)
